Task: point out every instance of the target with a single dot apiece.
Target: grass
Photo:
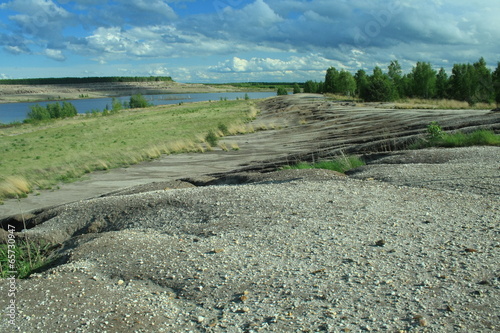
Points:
(340, 164)
(27, 256)
(436, 137)
(39, 156)
(442, 104)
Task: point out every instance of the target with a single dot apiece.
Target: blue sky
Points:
(240, 40)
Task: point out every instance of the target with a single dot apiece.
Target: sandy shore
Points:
(33, 93)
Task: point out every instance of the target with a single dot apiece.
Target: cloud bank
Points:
(267, 39)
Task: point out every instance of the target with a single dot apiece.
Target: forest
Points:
(472, 83)
(86, 80)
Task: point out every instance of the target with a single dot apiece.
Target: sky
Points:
(216, 41)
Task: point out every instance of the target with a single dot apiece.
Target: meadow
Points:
(41, 155)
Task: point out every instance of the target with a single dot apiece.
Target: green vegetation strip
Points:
(436, 137)
(23, 258)
(341, 164)
(44, 154)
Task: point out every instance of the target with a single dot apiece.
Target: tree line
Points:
(472, 83)
(86, 80)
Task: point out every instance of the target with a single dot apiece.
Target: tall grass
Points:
(340, 164)
(44, 154)
(438, 138)
(443, 104)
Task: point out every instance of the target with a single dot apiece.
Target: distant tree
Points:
(38, 113)
(282, 91)
(395, 73)
(362, 83)
(496, 84)
(442, 84)
(346, 84)
(331, 79)
(138, 101)
(424, 80)
(484, 85)
(54, 110)
(462, 83)
(321, 87)
(380, 87)
(68, 110)
(296, 89)
(310, 87)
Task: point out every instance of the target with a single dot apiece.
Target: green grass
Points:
(341, 164)
(459, 139)
(42, 155)
(26, 256)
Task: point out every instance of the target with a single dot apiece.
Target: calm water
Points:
(11, 112)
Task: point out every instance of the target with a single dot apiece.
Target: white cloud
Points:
(55, 54)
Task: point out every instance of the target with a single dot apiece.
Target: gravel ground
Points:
(410, 247)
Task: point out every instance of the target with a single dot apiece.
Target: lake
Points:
(11, 112)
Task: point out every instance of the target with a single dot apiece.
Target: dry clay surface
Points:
(409, 242)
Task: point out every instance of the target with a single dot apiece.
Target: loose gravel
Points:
(291, 251)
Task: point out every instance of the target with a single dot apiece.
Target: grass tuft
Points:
(438, 138)
(26, 256)
(340, 164)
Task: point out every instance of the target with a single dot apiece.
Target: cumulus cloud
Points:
(348, 34)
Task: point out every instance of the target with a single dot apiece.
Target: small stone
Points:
(470, 250)
(218, 250)
(120, 282)
(244, 298)
(449, 308)
(380, 242)
(423, 322)
(200, 319)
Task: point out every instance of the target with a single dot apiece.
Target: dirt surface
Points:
(308, 127)
(219, 242)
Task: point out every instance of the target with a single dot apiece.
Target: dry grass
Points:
(14, 186)
(445, 104)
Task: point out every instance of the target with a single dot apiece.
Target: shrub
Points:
(212, 139)
(138, 101)
(282, 91)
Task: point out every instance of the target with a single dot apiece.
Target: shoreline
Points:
(55, 92)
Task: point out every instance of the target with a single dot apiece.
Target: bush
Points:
(138, 101)
(212, 139)
(282, 91)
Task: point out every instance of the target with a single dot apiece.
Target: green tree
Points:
(54, 110)
(484, 90)
(346, 84)
(362, 82)
(310, 87)
(380, 87)
(461, 82)
(138, 101)
(424, 80)
(331, 79)
(38, 113)
(282, 91)
(442, 84)
(395, 73)
(296, 89)
(496, 84)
